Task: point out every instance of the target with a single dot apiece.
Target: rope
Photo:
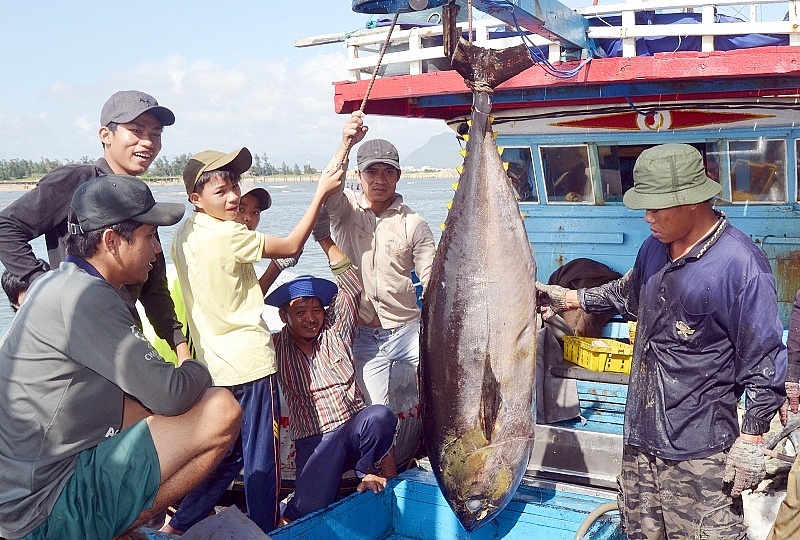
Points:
(369, 87)
(371, 23)
(479, 86)
(469, 19)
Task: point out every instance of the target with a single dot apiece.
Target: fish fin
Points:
(449, 205)
(490, 400)
(505, 166)
(465, 136)
(500, 150)
(454, 185)
(460, 169)
(463, 152)
(489, 66)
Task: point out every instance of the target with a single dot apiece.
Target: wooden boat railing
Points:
(419, 49)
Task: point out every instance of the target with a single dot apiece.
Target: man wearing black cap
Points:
(78, 457)
(386, 240)
(131, 123)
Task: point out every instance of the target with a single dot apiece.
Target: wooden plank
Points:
(339, 37)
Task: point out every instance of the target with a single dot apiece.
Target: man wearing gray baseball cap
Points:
(704, 298)
(99, 434)
(131, 123)
(386, 240)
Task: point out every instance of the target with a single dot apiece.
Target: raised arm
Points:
(353, 132)
(42, 209)
(290, 246)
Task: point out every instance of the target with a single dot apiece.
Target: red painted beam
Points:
(395, 96)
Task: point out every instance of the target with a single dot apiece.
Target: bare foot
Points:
(167, 528)
(372, 481)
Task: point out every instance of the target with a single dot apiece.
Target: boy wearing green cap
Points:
(708, 330)
(214, 257)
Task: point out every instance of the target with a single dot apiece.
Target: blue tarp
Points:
(648, 46)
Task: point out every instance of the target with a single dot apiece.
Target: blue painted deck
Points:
(413, 508)
(602, 407)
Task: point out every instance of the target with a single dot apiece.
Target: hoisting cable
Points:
(369, 87)
(536, 54)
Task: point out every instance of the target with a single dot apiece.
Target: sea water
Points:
(428, 197)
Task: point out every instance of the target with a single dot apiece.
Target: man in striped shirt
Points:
(332, 428)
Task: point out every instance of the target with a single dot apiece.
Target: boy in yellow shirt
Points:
(214, 257)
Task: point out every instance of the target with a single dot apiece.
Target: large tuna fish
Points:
(479, 336)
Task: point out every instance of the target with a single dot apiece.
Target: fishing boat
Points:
(608, 81)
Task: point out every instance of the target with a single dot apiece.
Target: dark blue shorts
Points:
(360, 444)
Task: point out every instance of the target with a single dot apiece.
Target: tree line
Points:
(21, 169)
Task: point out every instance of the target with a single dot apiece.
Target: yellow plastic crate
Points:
(598, 354)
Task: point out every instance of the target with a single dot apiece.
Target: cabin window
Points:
(616, 164)
(520, 173)
(566, 173)
(616, 169)
(758, 170)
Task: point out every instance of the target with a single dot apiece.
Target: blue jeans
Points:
(387, 362)
(360, 444)
(257, 450)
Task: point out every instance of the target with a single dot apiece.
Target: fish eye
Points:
(473, 505)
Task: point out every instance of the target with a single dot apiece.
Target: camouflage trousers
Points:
(787, 523)
(677, 500)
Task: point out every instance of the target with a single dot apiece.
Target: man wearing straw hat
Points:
(708, 330)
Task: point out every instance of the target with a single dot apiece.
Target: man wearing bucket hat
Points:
(214, 257)
(79, 458)
(332, 428)
(131, 125)
(386, 240)
(708, 330)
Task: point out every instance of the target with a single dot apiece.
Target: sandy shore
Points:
(442, 173)
(16, 186)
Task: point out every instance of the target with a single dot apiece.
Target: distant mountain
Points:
(440, 152)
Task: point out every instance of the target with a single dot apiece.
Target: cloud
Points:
(276, 106)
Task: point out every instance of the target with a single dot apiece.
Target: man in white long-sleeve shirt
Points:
(386, 240)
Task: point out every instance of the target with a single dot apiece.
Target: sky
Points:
(228, 70)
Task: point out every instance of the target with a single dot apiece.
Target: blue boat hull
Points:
(412, 508)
